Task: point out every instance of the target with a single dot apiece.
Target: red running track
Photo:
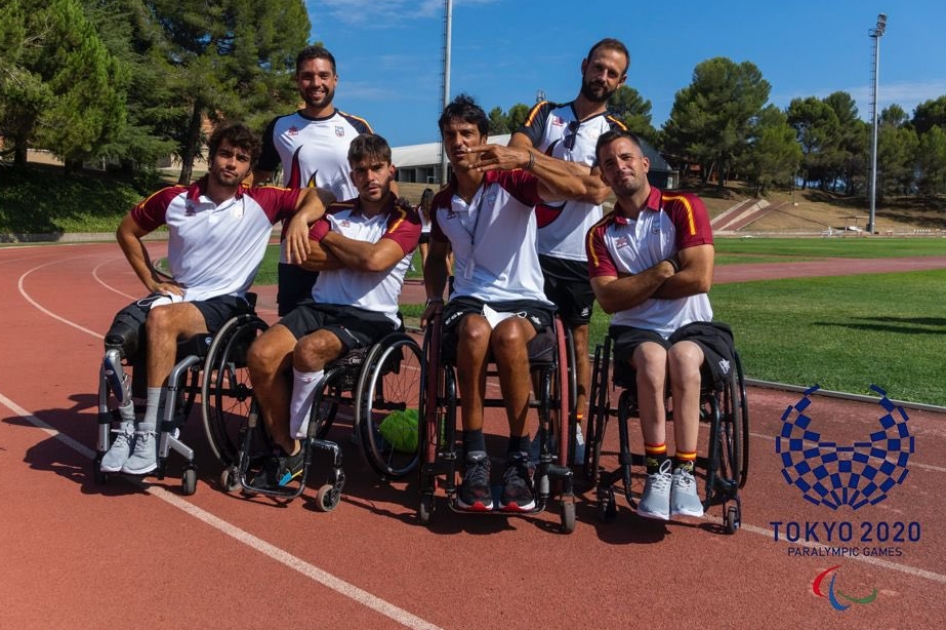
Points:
(77, 555)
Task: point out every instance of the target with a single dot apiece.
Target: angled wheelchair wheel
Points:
(389, 390)
(741, 417)
(731, 436)
(226, 392)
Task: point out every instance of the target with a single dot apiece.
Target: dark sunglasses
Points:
(571, 133)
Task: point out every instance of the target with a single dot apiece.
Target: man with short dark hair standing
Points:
(568, 132)
(312, 147)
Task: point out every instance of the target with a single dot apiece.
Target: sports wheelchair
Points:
(440, 452)
(367, 385)
(724, 468)
(224, 391)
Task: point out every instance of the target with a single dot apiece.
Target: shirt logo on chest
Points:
(189, 209)
(293, 131)
(339, 131)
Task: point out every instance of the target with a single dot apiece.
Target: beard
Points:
(596, 92)
(312, 101)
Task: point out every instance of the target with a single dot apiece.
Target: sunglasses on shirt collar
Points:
(571, 133)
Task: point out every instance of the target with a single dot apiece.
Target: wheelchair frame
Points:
(362, 381)
(439, 451)
(726, 465)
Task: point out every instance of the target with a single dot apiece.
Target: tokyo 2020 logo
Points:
(832, 474)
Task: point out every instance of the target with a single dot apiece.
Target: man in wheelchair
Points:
(218, 231)
(363, 248)
(497, 305)
(651, 266)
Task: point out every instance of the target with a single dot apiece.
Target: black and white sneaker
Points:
(474, 491)
(518, 495)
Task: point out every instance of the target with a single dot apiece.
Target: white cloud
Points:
(391, 13)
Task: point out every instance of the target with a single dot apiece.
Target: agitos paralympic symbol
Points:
(834, 594)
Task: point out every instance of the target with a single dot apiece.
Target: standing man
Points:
(312, 146)
(218, 230)
(651, 266)
(487, 217)
(569, 132)
(363, 246)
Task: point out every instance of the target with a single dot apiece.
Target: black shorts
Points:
(714, 338)
(424, 238)
(539, 314)
(295, 287)
(354, 327)
(128, 328)
(568, 287)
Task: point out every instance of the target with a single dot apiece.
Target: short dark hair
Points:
(315, 52)
(609, 43)
(238, 135)
(610, 136)
(464, 108)
(367, 146)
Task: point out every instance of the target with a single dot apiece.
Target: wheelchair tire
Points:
(732, 520)
(568, 515)
(425, 510)
(327, 498)
(230, 479)
(389, 382)
(226, 392)
(189, 481)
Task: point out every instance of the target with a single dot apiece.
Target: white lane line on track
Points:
(46, 311)
(311, 571)
(95, 274)
(314, 573)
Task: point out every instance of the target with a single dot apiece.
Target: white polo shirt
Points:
(215, 250)
(669, 223)
(555, 130)
(374, 291)
(493, 238)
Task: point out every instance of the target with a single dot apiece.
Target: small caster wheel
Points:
(327, 498)
(425, 511)
(732, 520)
(189, 481)
(98, 475)
(568, 516)
(229, 479)
(607, 510)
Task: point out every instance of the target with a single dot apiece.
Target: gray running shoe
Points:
(144, 458)
(684, 500)
(655, 502)
(120, 450)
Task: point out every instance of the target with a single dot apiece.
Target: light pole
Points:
(875, 34)
(447, 41)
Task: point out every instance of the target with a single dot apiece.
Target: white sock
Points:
(303, 391)
(154, 403)
(127, 412)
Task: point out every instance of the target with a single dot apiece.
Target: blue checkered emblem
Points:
(833, 475)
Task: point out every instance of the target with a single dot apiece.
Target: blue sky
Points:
(504, 51)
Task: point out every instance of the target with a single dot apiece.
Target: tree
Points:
(930, 114)
(498, 122)
(65, 92)
(897, 146)
(231, 58)
(849, 163)
(517, 116)
(634, 111)
(711, 118)
(931, 162)
(774, 154)
(818, 131)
